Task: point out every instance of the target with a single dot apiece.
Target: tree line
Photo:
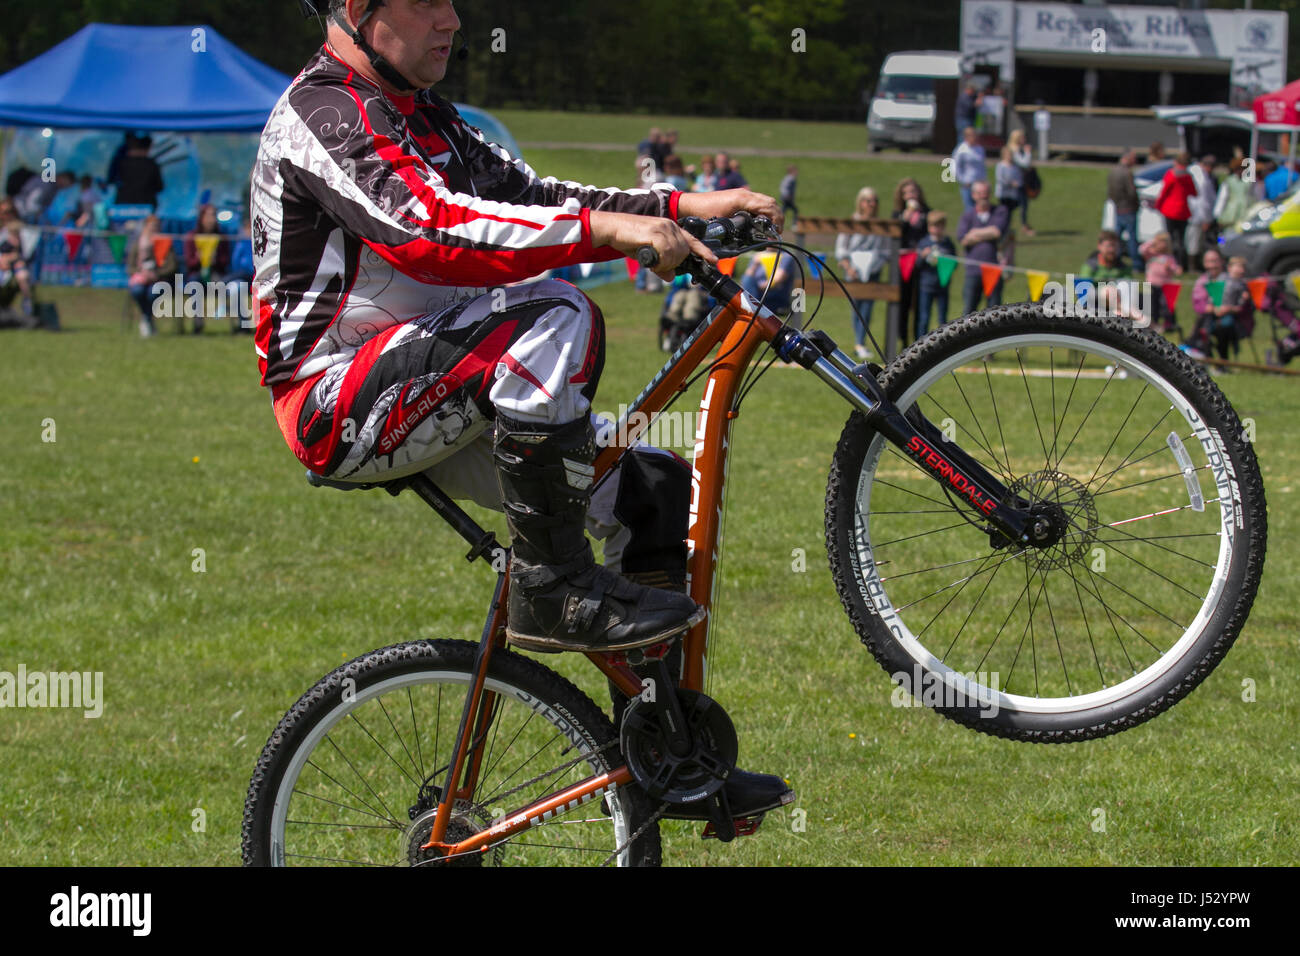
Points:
(808, 59)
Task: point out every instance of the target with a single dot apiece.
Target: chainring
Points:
(676, 778)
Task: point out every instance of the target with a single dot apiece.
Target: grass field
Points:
(166, 446)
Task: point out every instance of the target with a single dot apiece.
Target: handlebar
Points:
(721, 235)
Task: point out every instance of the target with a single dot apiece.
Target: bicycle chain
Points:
(654, 818)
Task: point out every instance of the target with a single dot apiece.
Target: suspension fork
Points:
(911, 432)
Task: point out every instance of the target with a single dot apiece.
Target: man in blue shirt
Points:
(968, 165)
(1279, 181)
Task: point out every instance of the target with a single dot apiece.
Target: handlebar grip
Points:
(647, 256)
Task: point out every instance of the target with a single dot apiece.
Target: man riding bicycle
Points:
(384, 232)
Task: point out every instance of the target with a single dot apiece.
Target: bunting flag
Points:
(1215, 289)
(727, 266)
(73, 239)
(906, 262)
(633, 267)
(161, 248)
(945, 266)
(1036, 282)
(1295, 281)
(117, 246)
(1257, 289)
(1171, 291)
(990, 273)
(584, 269)
(207, 247)
(31, 236)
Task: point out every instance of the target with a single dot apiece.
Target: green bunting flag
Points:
(945, 265)
(117, 245)
(1215, 289)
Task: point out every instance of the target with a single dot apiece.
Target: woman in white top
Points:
(862, 258)
(1023, 156)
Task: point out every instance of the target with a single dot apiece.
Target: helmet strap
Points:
(381, 66)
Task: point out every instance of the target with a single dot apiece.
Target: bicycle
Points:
(976, 480)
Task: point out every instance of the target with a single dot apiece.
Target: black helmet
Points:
(382, 66)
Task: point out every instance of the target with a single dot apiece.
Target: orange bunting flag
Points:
(1171, 291)
(989, 275)
(727, 266)
(161, 249)
(207, 248)
(1257, 289)
(73, 239)
(1036, 282)
(906, 262)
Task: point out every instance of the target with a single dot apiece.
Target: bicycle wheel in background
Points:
(1160, 515)
(350, 775)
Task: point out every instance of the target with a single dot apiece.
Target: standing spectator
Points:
(675, 174)
(862, 257)
(652, 146)
(1176, 192)
(991, 109)
(1161, 268)
(930, 291)
(144, 270)
(667, 146)
(1009, 182)
(1023, 156)
(1279, 181)
(1235, 198)
(35, 197)
(87, 200)
(1122, 192)
(1155, 152)
(205, 228)
(707, 181)
(17, 180)
(909, 206)
(968, 166)
(788, 185)
(139, 179)
(115, 163)
(979, 232)
(735, 180)
(65, 206)
(967, 105)
(722, 165)
(1199, 235)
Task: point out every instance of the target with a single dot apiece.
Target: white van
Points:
(906, 100)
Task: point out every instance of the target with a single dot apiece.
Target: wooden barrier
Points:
(811, 232)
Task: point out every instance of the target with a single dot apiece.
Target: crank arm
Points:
(911, 432)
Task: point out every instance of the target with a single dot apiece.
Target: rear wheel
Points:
(1139, 463)
(352, 773)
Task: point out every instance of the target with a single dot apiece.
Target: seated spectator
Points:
(1199, 344)
(206, 229)
(675, 174)
(1233, 318)
(777, 294)
(1162, 268)
(1107, 265)
(144, 271)
(15, 277)
(737, 179)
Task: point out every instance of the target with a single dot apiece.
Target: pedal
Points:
(637, 656)
(720, 820)
(744, 826)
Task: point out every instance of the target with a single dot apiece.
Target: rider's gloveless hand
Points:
(628, 233)
(728, 202)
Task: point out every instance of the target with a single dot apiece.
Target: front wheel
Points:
(352, 773)
(1152, 569)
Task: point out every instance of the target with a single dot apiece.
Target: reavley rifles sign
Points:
(1254, 41)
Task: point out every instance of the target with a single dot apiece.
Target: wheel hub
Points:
(465, 822)
(1062, 518)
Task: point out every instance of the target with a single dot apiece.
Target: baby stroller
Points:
(1285, 326)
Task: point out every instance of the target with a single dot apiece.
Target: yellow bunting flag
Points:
(1036, 282)
(207, 247)
(1295, 281)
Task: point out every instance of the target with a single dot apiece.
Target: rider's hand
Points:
(628, 233)
(727, 202)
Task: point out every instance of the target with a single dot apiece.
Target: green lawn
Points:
(168, 445)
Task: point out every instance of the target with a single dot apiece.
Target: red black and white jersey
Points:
(370, 209)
